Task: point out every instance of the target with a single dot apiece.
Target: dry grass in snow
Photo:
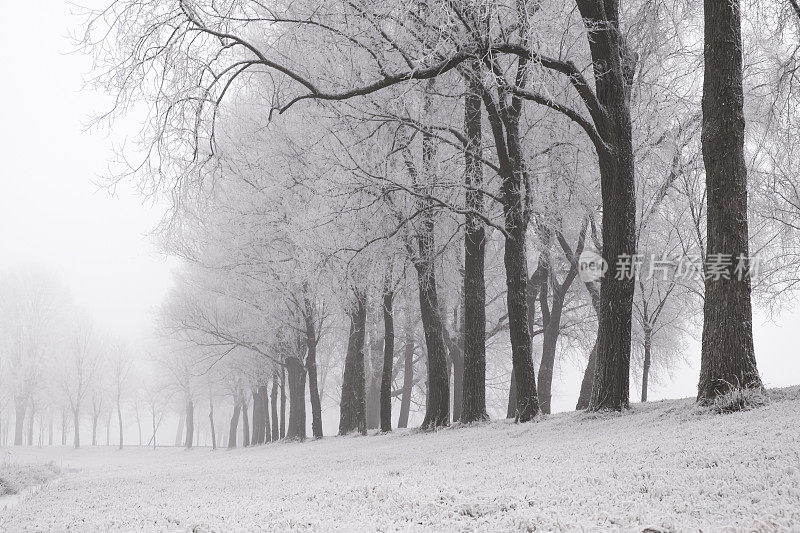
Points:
(669, 466)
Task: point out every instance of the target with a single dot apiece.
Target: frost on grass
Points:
(15, 478)
(740, 399)
(662, 466)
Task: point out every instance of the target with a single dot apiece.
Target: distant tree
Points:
(119, 366)
(78, 370)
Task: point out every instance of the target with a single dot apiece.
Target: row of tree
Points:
(61, 374)
(325, 160)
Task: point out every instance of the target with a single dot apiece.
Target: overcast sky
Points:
(51, 210)
(53, 214)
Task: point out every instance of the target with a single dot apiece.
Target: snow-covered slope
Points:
(667, 466)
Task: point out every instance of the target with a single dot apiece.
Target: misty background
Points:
(55, 214)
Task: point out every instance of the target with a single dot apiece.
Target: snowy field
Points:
(665, 466)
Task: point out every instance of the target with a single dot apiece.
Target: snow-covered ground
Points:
(666, 465)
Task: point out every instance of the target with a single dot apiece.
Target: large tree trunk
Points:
(505, 129)
(237, 411)
(189, 424)
(728, 358)
(473, 375)
(20, 407)
(311, 367)
(522, 362)
(534, 284)
(648, 342)
(275, 433)
(437, 404)
(437, 412)
(613, 70)
(408, 370)
(352, 409)
(297, 399)
(388, 362)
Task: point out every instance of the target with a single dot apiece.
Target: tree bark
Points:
(297, 399)
(473, 376)
(388, 361)
(552, 327)
(437, 412)
(352, 408)
(504, 123)
(408, 370)
(437, 404)
(534, 284)
(727, 358)
(311, 366)
(613, 67)
(549, 345)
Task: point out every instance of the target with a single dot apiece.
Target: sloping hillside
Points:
(667, 466)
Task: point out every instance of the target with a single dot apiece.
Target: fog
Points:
(150, 332)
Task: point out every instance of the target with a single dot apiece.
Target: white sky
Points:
(51, 211)
(52, 214)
